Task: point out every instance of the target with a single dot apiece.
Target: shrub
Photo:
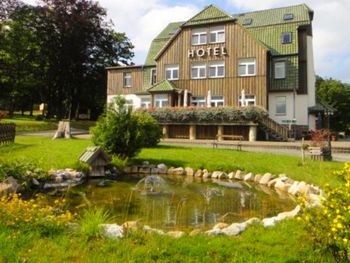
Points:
(329, 225)
(2, 115)
(82, 167)
(119, 163)
(90, 222)
(34, 214)
(123, 132)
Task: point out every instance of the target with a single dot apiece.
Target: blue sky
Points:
(143, 20)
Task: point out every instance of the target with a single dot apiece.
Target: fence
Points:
(7, 132)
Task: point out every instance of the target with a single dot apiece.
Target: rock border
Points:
(280, 183)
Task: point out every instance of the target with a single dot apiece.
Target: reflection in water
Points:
(168, 203)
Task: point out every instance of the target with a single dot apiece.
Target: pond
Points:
(179, 202)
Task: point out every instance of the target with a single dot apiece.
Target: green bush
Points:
(123, 132)
(82, 167)
(329, 225)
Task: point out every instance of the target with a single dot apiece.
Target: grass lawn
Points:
(286, 242)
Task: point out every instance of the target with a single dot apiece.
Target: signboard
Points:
(289, 121)
(209, 52)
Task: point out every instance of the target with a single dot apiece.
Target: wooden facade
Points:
(115, 80)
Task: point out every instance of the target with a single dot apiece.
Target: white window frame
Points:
(199, 33)
(215, 101)
(281, 66)
(246, 63)
(198, 101)
(172, 69)
(199, 66)
(216, 65)
(278, 103)
(145, 102)
(250, 100)
(127, 80)
(161, 99)
(153, 81)
(290, 38)
(217, 31)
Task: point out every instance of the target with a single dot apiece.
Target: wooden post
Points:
(165, 131)
(302, 151)
(220, 132)
(252, 133)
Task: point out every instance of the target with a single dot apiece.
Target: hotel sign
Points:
(209, 52)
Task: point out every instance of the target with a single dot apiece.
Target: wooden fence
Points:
(7, 132)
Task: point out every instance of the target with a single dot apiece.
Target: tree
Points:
(337, 95)
(123, 132)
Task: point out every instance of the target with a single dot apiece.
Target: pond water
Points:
(181, 203)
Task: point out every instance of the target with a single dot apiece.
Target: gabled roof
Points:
(93, 152)
(164, 85)
(210, 14)
(261, 18)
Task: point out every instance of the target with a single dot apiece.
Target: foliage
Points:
(33, 214)
(337, 95)
(319, 137)
(2, 115)
(90, 222)
(329, 225)
(124, 133)
(82, 167)
(119, 163)
(193, 114)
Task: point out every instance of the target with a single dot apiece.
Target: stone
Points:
(289, 214)
(293, 190)
(145, 170)
(162, 168)
(234, 229)
(113, 231)
(198, 173)
(231, 175)
(58, 178)
(220, 226)
(303, 189)
(280, 185)
(134, 169)
(223, 175)
(239, 175)
(170, 170)
(5, 189)
(149, 229)
(219, 175)
(252, 221)
(145, 163)
(270, 221)
(189, 171)
(214, 232)
(178, 171)
(215, 174)
(206, 174)
(154, 170)
(266, 178)
(132, 225)
(127, 170)
(176, 234)
(195, 232)
(314, 200)
(249, 177)
(12, 185)
(257, 178)
(272, 182)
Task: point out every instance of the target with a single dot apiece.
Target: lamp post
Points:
(329, 113)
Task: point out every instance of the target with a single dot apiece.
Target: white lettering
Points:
(210, 51)
(223, 51)
(190, 53)
(200, 52)
(216, 51)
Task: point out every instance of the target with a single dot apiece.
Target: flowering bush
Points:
(193, 114)
(329, 225)
(34, 214)
(319, 138)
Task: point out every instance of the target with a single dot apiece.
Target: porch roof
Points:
(163, 86)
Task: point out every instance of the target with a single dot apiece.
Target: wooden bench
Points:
(237, 138)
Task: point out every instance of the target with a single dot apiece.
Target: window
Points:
(127, 80)
(217, 101)
(280, 69)
(145, 102)
(249, 100)
(247, 21)
(217, 69)
(217, 35)
(246, 67)
(281, 105)
(198, 71)
(172, 72)
(161, 100)
(153, 76)
(286, 37)
(288, 17)
(198, 101)
(199, 37)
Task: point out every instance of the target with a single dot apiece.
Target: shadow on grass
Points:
(5, 148)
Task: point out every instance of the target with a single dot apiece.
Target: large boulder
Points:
(257, 178)
(249, 177)
(206, 174)
(199, 173)
(282, 186)
(234, 229)
(219, 175)
(266, 178)
(178, 171)
(239, 175)
(231, 175)
(162, 168)
(189, 171)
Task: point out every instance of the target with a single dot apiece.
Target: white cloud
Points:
(330, 29)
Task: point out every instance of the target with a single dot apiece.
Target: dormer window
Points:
(247, 21)
(286, 37)
(287, 17)
(217, 35)
(199, 37)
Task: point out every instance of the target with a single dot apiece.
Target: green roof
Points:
(262, 18)
(93, 152)
(164, 85)
(210, 14)
(159, 42)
